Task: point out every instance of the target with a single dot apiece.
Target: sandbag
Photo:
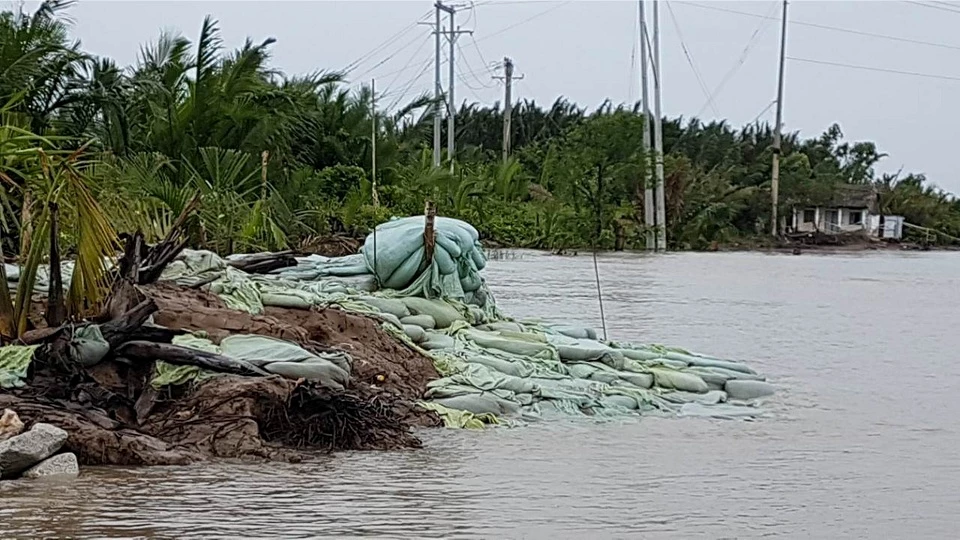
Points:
(642, 380)
(87, 346)
(443, 313)
(392, 306)
(513, 345)
(475, 403)
(668, 378)
(701, 361)
(325, 373)
(425, 322)
(415, 333)
(576, 332)
(436, 341)
(738, 389)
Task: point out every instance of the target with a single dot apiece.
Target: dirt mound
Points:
(379, 359)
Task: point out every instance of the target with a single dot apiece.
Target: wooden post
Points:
(429, 236)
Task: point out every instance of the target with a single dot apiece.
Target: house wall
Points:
(821, 223)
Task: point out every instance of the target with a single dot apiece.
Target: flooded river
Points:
(862, 441)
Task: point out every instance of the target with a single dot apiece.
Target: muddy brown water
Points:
(862, 441)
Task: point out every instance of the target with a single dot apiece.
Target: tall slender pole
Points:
(451, 104)
(658, 132)
(648, 214)
(436, 92)
(373, 143)
(507, 106)
(775, 173)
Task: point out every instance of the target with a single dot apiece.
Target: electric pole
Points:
(658, 133)
(436, 91)
(451, 107)
(373, 142)
(775, 174)
(508, 79)
(648, 213)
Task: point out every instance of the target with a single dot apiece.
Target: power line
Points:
(407, 66)
(881, 70)
(402, 93)
(740, 61)
(387, 42)
(834, 28)
(528, 19)
(390, 57)
(693, 65)
(466, 62)
(947, 7)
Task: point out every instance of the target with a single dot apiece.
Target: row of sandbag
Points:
(272, 355)
(506, 369)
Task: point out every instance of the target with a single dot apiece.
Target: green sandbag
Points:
(14, 361)
(642, 380)
(497, 364)
(714, 380)
(748, 389)
(722, 364)
(576, 332)
(425, 322)
(712, 397)
(668, 378)
(87, 346)
(502, 326)
(638, 354)
(415, 333)
(436, 341)
(406, 271)
(621, 402)
(442, 312)
(387, 305)
(511, 345)
(728, 373)
(476, 403)
(293, 301)
(453, 418)
(327, 374)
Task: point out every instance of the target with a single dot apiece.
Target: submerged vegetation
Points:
(278, 161)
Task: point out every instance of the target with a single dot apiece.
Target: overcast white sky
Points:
(585, 50)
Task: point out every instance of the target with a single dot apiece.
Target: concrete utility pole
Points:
(451, 106)
(648, 213)
(436, 91)
(507, 79)
(658, 133)
(507, 105)
(775, 174)
(373, 142)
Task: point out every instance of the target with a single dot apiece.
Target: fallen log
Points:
(183, 356)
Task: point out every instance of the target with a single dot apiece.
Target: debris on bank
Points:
(272, 355)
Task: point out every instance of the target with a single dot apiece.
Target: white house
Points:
(851, 209)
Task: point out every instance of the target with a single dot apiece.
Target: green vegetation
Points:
(279, 160)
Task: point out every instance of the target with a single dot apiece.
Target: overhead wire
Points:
(406, 89)
(470, 70)
(693, 65)
(524, 21)
(393, 55)
(406, 66)
(832, 28)
(741, 60)
(386, 43)
(948, 8)
(877, 69)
